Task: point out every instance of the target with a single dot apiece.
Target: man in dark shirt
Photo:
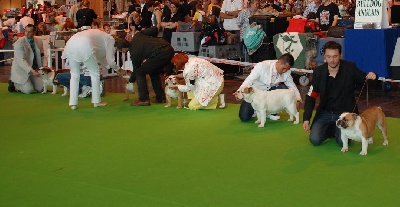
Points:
(327, 15)
(334, 83)
(149, 55)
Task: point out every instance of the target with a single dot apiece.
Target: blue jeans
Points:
(246, 111)
(324, 127)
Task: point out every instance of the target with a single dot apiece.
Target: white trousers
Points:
(94, 70)
(33, 83)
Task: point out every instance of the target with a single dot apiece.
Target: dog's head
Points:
(171, 80)
(241, 93)
(45, 71)
(346, 120)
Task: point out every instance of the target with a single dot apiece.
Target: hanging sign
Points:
(371, 14)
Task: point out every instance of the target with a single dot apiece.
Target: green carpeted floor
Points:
(154, 156)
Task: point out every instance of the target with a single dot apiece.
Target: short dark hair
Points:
(31, 25)
(287, 58)
(333, 46)
(121, 43)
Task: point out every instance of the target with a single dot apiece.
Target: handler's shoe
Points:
(221, 98)
(140, 103)
(11, 87)
(101, 104)
(274, 117)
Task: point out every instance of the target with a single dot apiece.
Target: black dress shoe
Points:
(140, 103)
(11, 87)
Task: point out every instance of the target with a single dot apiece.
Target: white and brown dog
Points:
(361, 127)
(270, 102)
(173, 93)
(132, 88)
(48, 75)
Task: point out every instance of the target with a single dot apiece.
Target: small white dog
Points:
(172, 93)
(47, 75)
(270, 102)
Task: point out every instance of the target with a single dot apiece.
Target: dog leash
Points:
(358, 98)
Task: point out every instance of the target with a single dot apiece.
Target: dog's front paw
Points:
(64, 94)
(345, 149)
(125, 99)
(363, 153)
(168, 105)
(296, 122)
(53, 93)
(179, 107)
(258, 121)
(385, 143)
(261, 126)
(43, 92)
(370, 140)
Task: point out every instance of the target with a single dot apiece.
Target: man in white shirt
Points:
(267, 75)
(89, 48)
(229, 12)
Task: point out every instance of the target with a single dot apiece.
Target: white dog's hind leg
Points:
(364, 144)
(345, 141)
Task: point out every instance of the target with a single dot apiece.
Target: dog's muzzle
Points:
(341, 124)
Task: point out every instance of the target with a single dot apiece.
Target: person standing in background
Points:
(73, 10)
(327, 15)
(85, 15)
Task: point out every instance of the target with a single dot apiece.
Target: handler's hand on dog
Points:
(35, 73)
(371, 76)
(306, 126)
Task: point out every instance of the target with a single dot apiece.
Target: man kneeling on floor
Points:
(268, 75)
(28, 52)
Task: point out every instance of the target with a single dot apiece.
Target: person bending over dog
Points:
(203, 79)
(333, 82)
(149, 55)
(267, 75)
(28, 52)
(89, 48)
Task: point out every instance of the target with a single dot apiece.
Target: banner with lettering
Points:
(371, 14)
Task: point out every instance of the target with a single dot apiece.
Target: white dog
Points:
(172, 93)
(47, 75)
(270, 102)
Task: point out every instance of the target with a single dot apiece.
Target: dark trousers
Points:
(246, 111)
(153, 66)
(324, 127)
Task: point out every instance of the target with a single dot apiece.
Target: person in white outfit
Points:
(204, 81)
(89, 48)
(268, 75)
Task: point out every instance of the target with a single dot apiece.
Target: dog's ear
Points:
(354, 116)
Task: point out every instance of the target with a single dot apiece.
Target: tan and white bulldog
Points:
(361, 127)
(173, 93)
(270, 102)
